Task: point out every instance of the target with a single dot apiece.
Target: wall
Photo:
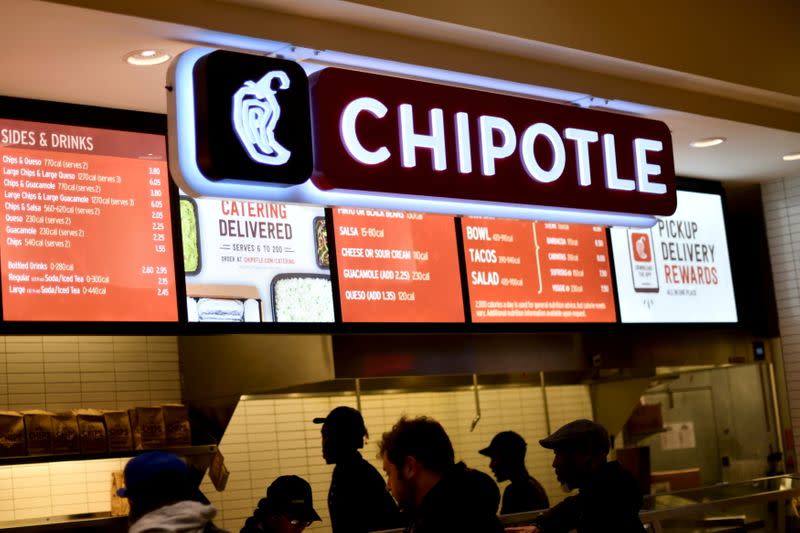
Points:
(62, 373)
(781, 199)
(255, 455)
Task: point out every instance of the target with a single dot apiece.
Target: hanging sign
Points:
(240, 126)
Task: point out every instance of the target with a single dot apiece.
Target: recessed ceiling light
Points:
(792, 157)
(705, 143)
(143, 58)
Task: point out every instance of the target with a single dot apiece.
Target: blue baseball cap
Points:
(155, 473)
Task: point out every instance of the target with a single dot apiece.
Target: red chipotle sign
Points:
(391, 135)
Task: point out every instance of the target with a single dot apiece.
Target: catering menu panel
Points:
(395, 266)
(86, 233)
(678, 271)
(521, 271)
(253, 261)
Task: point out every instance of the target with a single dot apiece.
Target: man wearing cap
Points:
(507, 454)
(358, 501)
(608, 496)
(288, 508)
(161, 496)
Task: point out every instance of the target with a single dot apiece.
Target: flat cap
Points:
(580, 432)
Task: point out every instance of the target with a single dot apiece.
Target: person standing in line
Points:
(440, 495)
(288, 508)
(358, 501)
(608, 496)
(162, 498)
(507, 453)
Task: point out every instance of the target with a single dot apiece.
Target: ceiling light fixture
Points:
(792, 157)
(706, 143)
(144, 58)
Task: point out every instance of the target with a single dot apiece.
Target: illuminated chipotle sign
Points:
(397, 136)
(254, 127)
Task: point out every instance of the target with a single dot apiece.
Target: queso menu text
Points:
(396, 266)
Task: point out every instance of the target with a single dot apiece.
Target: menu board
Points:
(253, 261)
(395, 266)
(677, 271)
(86, 233)
(522, 271)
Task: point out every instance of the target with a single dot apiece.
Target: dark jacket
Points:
(609, 501)
(524, 494)
(358, 500)
(463, 501)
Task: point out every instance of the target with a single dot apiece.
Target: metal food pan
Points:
(283, 276)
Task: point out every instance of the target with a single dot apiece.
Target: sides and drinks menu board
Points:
(86, 233)
(396, 266)
(522, 271)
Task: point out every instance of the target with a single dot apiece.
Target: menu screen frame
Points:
(64, 114)
(691, 185)
(58, 113)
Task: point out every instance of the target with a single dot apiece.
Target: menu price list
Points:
(397, 266)
(522, 271)
(85, 236)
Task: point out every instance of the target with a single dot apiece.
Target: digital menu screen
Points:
(253, 261)
(522, 271)
(678, 271)
(86, 232)
(395, 266)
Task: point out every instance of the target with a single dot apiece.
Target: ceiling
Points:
(72, 54)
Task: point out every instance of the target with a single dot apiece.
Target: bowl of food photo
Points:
(300, 297)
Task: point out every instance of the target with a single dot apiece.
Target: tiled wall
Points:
(62, 373)
(268, 437)
(781, 199)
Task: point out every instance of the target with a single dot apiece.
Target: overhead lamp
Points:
(792, 157)
(144, 58)
(706, 143)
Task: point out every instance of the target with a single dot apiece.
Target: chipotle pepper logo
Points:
(640, 245)
(255, 115)
(252, 119)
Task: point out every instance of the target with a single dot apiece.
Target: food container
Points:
(190, 236)
(147, 425)
(118, 428)
(201, 298)
(91, 431)
(39, 432)
(12, 434)
(321, 249)
(65, 433)
(301, 297)
(177, 425)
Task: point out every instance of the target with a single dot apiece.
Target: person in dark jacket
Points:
(358, 501)
(608, 496)
(438, 494)
(507, 453)
(288, 508)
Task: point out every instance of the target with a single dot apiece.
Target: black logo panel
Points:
(252, 118)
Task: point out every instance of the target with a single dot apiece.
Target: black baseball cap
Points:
(344, 420)
(578, 433)
(506, 443)
(292, 495)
